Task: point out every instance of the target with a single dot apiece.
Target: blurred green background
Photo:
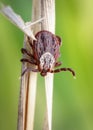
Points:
(73, 99)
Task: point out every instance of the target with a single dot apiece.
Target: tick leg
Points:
(28, 70)
(58, 64)
(24, 51)
(28, 61)
(59, 39)
(30, 42)
(63, 69)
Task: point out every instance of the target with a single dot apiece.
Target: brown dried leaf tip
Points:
(46, 51)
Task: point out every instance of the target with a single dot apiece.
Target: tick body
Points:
(46, 51)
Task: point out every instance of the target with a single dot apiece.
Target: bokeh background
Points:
(73, 99)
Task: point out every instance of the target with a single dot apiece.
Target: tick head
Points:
(46, 63)
(43, 73)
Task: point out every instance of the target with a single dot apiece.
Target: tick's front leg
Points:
(28, 70)
(58, 64)
(63, 69)
(28, 61)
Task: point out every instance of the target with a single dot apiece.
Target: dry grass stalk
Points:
(26, 109)
(29, 122)
(29, 81)
(48, 10)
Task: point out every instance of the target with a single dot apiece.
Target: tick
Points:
(46, 51)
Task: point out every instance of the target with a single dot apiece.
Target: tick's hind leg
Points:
(63, 69)
(59, 40)
(31, 57)
(30, 42)
(24, 51)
